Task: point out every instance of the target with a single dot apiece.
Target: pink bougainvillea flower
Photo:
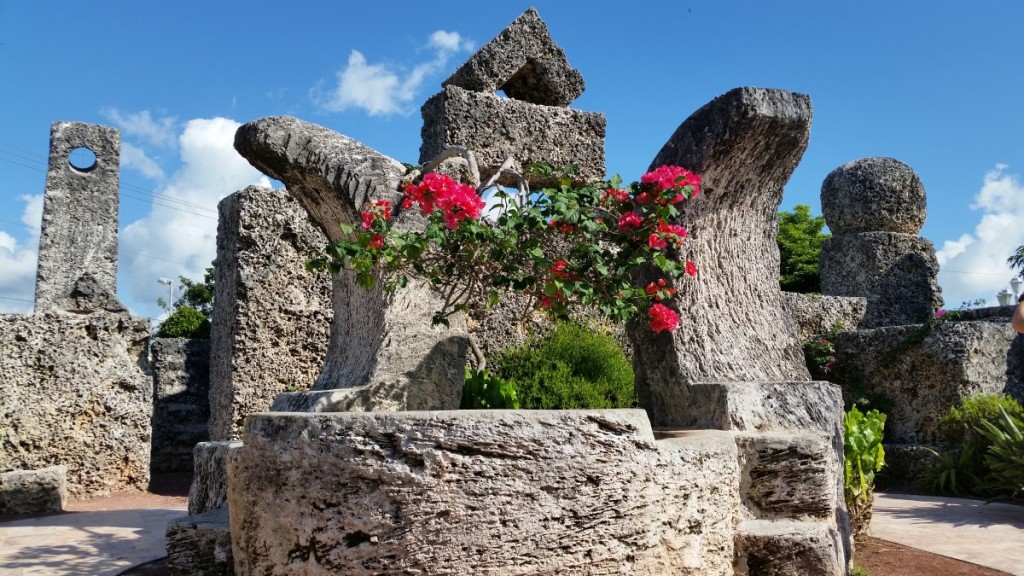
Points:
(457, 201)
(643, 198)
(630, 221)
(663, 318)
(652, 289)
(669, 177)
(691, 268)
(375, 209)
(376, 242)
(656, 242)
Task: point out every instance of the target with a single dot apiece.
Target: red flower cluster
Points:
(455, 200)
(563, 227)
(376, 209)
(660, 290)
(667, 234)
(560, 270)
(669, 178)
(630, 221)
(662, 318)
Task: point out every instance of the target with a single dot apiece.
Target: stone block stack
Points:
(875, 207)
(533, 123)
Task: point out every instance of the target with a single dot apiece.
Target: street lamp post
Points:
(170, 293)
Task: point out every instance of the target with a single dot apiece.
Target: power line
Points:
(16, 299)
(127, 188)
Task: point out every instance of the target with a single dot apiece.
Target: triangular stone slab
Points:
(523, 62)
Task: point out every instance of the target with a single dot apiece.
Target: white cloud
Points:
(18, 260)
(182, 242)
(159, 132)
(135, 158)
(974, 265)
(381, 90)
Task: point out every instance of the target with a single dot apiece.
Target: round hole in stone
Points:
(82, 159)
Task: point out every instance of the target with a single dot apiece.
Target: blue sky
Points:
(936, 84)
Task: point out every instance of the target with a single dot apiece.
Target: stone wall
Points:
(570, 492)
(916, 373)
(815, 314)
(272, 317)
(74, 391)
(181, 401)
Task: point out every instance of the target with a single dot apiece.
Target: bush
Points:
(1005, 457)
(485, 391)
(185, 322)
(863, 456)
(570, 368)
(958, 426)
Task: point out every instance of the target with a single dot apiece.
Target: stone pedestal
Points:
(874, 208)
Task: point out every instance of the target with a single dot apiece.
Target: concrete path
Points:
(107, 542)
(987, 534)
(103, 543)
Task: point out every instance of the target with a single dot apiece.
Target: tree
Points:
(192, 310)
(800, 239)
(1016, 261)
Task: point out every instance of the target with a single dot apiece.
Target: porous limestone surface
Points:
(80, 205)
(523, 62)
(272, 317)
(496, 128)
(475, 492)
(873, 195)
(379, 341)
(772, 548)
(209, 490)
(181, 401)
(744, 144)
(75, 391)
(917, 372)
(200, 545)
(788, 475)
(815, 314)
(33, 491)
(897, 274)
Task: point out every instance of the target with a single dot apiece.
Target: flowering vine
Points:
(564, 246)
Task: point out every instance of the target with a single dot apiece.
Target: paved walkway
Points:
(101, 543)
(107, 542)
(987, 534)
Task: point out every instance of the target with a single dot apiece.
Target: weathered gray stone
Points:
(383, 344)
(773, 548)
(181, 401)
(744, 144)
(874, 195)
(200, 545)
(896, 273)
(572, 492)
(788, 475)
(272, 317)
(815, 314)
(918, 372)
(33, 491)
(74, 391)
(79, 232)
(525, 63)
(209, 489)
(495, 129)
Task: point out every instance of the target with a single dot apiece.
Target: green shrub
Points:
(485, 391)
(863, 456)
(953, 475)
(962, 466)
(185, 322)
(1005, 457)
(958, 426)
(570, 368)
